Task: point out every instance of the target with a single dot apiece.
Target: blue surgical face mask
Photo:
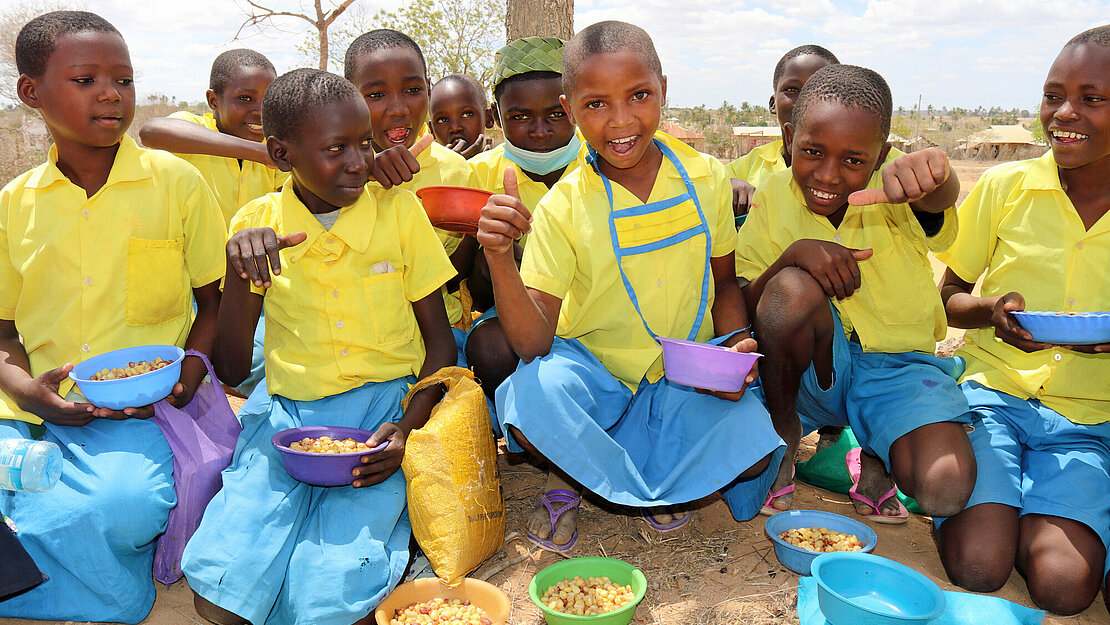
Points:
(543, 163)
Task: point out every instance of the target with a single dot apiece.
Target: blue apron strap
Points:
(619, 252)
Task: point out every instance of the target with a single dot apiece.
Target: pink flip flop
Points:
(770, 510)
(852, 459)
(569, 500)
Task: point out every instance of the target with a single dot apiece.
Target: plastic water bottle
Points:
(29, 465)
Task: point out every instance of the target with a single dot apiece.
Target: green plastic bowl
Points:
(618, 571)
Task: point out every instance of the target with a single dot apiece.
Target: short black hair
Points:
(379, 39)
(607, 38)
(848, 85)
(499, 90)
(806, 50)
(37, 39)
(291, 97)
(468, 82)
(1099, 36)
(227, 62)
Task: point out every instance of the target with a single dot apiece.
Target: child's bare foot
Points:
(874, 483)
(666, 518)
(554, 523)
(829, 435)
(781, 496)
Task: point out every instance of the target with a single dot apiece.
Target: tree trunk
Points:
(539, 18)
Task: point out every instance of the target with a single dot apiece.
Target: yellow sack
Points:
(454, 486)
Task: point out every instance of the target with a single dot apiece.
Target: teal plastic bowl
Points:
(800, 560)
(133, 392)
(618, 571)
(856, 588)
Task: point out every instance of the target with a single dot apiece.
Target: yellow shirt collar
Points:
(126, 167)
(354, 226)
(1043, 174)
(694, 161)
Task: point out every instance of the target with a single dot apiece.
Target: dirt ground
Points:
(713, 571)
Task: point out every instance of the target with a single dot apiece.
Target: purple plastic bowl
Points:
(702, 365)
(321, 469)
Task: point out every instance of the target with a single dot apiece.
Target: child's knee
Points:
(793, 291)
(1063, 587)
(942, 490)
(975, 565)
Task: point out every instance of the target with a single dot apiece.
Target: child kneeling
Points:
(353, 315)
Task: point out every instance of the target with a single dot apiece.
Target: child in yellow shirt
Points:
(104, 246)
(834, 259)
(226, 146)
(593, 292)
(459, 114)
(351, 291)
(1038, 232)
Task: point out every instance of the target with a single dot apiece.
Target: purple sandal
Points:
(677, 520)
(569, 500)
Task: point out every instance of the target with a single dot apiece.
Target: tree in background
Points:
(539, 18)
(12, 19)
(259, 14)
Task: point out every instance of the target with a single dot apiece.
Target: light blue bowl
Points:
(1063, 328)
(856, 588)
(797, 559)
(133, 392)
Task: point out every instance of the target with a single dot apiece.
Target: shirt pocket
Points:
(156, 288)
(389, 311)
(898, 291)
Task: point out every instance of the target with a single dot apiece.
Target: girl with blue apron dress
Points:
(663, 444)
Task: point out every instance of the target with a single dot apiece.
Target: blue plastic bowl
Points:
(133, 392)
(1064, 328)
(856, 588)
(321, 469)
(799, 560)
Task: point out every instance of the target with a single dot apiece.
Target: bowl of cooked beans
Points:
(323, 455)
(802, 535)
(599, 591)
(425, 600)
(129, 378)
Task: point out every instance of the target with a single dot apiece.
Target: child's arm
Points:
(834, 266)
(923, 179)
(251, 254)
(742, 193)
(36, 395)
(730, 315)
(440, 352)
(396, 165)
(182, 137)
(528, 316)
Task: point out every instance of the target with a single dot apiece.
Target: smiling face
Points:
(394, 84)
(795, 73)
(834, 153)
(1075, 109)
(86, 94)
(330, 156)
(238, 108)
(532, 116)
(456, 113)
(616, 103)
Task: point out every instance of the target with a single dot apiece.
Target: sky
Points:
(948, 53)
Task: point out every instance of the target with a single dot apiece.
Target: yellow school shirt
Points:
(1019, 226)
(340, 314)
(758, 164)
(570, 256)
(441, 166)
(82, 276)
(234, 182)
(898, 307)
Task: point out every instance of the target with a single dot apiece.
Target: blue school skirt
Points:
(664, 444)
(94, 533)
(274, 550)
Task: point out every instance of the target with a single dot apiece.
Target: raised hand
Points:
(397, 165)
(832, 265)
(504, 218)
(908, 178)
(252, 252)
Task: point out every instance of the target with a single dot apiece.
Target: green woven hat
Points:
(529, 54)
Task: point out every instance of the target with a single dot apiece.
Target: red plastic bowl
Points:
(702, 365)
(453, 208)
(321, 469)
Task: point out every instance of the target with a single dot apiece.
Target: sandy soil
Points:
(712, 572)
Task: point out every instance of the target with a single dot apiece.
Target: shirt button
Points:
(331, 240)
(86, 348)
(335, 293)
(837, 238)
(1079, 245)
(344, 352)
(659, 283)
(1057, 357)
(339, 324)
(85, 213)
(329, 262)
(1071, 301)
(88, 280)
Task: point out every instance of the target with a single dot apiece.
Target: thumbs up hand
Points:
(504, 218)
(398, 164)
(908, 178)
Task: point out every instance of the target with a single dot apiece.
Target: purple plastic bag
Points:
(202, 436)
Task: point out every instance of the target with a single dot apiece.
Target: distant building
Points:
(897, 142)
(691, 138)
(749, 138)
(918, 143)
(1010, 141)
